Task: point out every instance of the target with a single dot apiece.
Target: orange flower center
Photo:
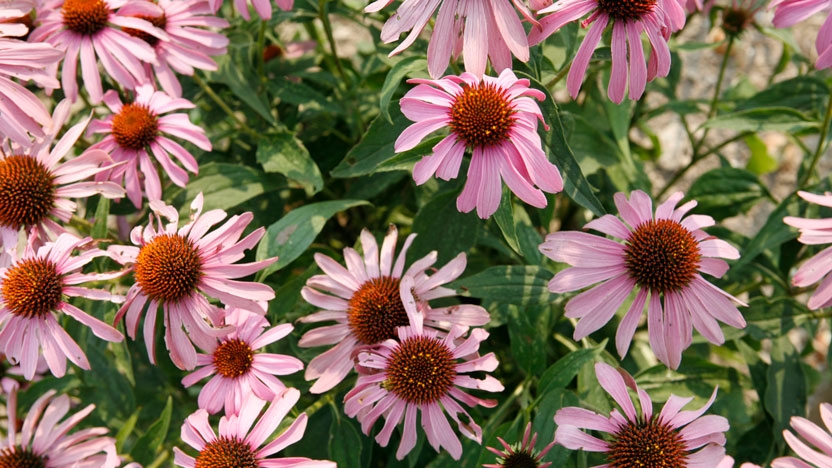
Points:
(662, 255)
(134, 127)
(233, 358)
(27, 191)
(32, 288)
(647, 445)
(85, 17)
(376, 309)
(482, 115)
(168, 268)
(20, 458)
(226, 453)
(626, 9)
(421, 370)
(159, 21)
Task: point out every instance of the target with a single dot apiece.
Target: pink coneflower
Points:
(262, 7)
(819, 453)
(23, 113)
(370, 298)
(495, 119)
(44, 440)
(32, 291)
(421, 373)
(728, 462)
(174, 267)
(657, 18)
(817, 268)
(14, 16)
(790, 12)
(479, 29)
(660, 261)
(140, 125)
(236, 445)
(189, 46)
(36, 186)
(671, 438)
(521, 455)
(90, 28)
(238, 371)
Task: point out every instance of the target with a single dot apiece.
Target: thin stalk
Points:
(824, 131)
(261, 45)
(717, 90)
(230, 112)
(331, 39)
(696, 158)
(559, 76)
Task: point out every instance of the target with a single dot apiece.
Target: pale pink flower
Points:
(23, 113)
(671, 438)
(90, 28)
(238, 370)
(818, 451)
(370, 298)
(422, 373)
(238, 442)
(495, 119)
(45, 440)
(175, 267)
(50, 184)
(660, 260)
(656, 18)
(817, 268)
(142, 125)
(521, 454)
(12, 14)
(728, 462)
(790, 12)
(190, 45)
(480, 29)
(33, 290)
(262, 7)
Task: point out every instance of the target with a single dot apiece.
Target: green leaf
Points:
(288, 238)
(784, 119)
(375, 147)
(300, 94)
(760, 162)
(126, 430)
(774, 317)
(504, 217)
(285, 154)
(773, 233)
(575, 184)
(443, 228)
(561, 373)
(224, 186)
(102, 212)
(344, 441)
(235, 71)
(402, 68)
(803, 93)
(150, 443)
(528, 341)
(726, 192)
(511, 284)
(786, 384)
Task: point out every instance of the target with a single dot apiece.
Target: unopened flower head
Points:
(237, 370)
(521, 454)
(493, 118)
(660, 260)
(480, 30)
(628, 19)
(239, 444)
(176, 267)
(370, 298)
(671, 438)
(141, 128)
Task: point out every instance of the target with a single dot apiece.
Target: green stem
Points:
(698, 157)
(824, 131)
(230, 112)
(559, 76)
(717, 91)
(331, 39)
(318, 404)
(261, 45)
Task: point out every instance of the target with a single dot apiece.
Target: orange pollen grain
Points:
(233, 358)
(168, 268)
(421, 370)
(226, 452)
(482, 115)
(32, 288)
(626, 9)
(27, 191)
(135, 126)
(85, 17)
(20, 458)
(376, 310)
(159, 21)
(662, 255)
(647, 445)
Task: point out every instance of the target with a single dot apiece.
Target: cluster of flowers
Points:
(412, 358)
